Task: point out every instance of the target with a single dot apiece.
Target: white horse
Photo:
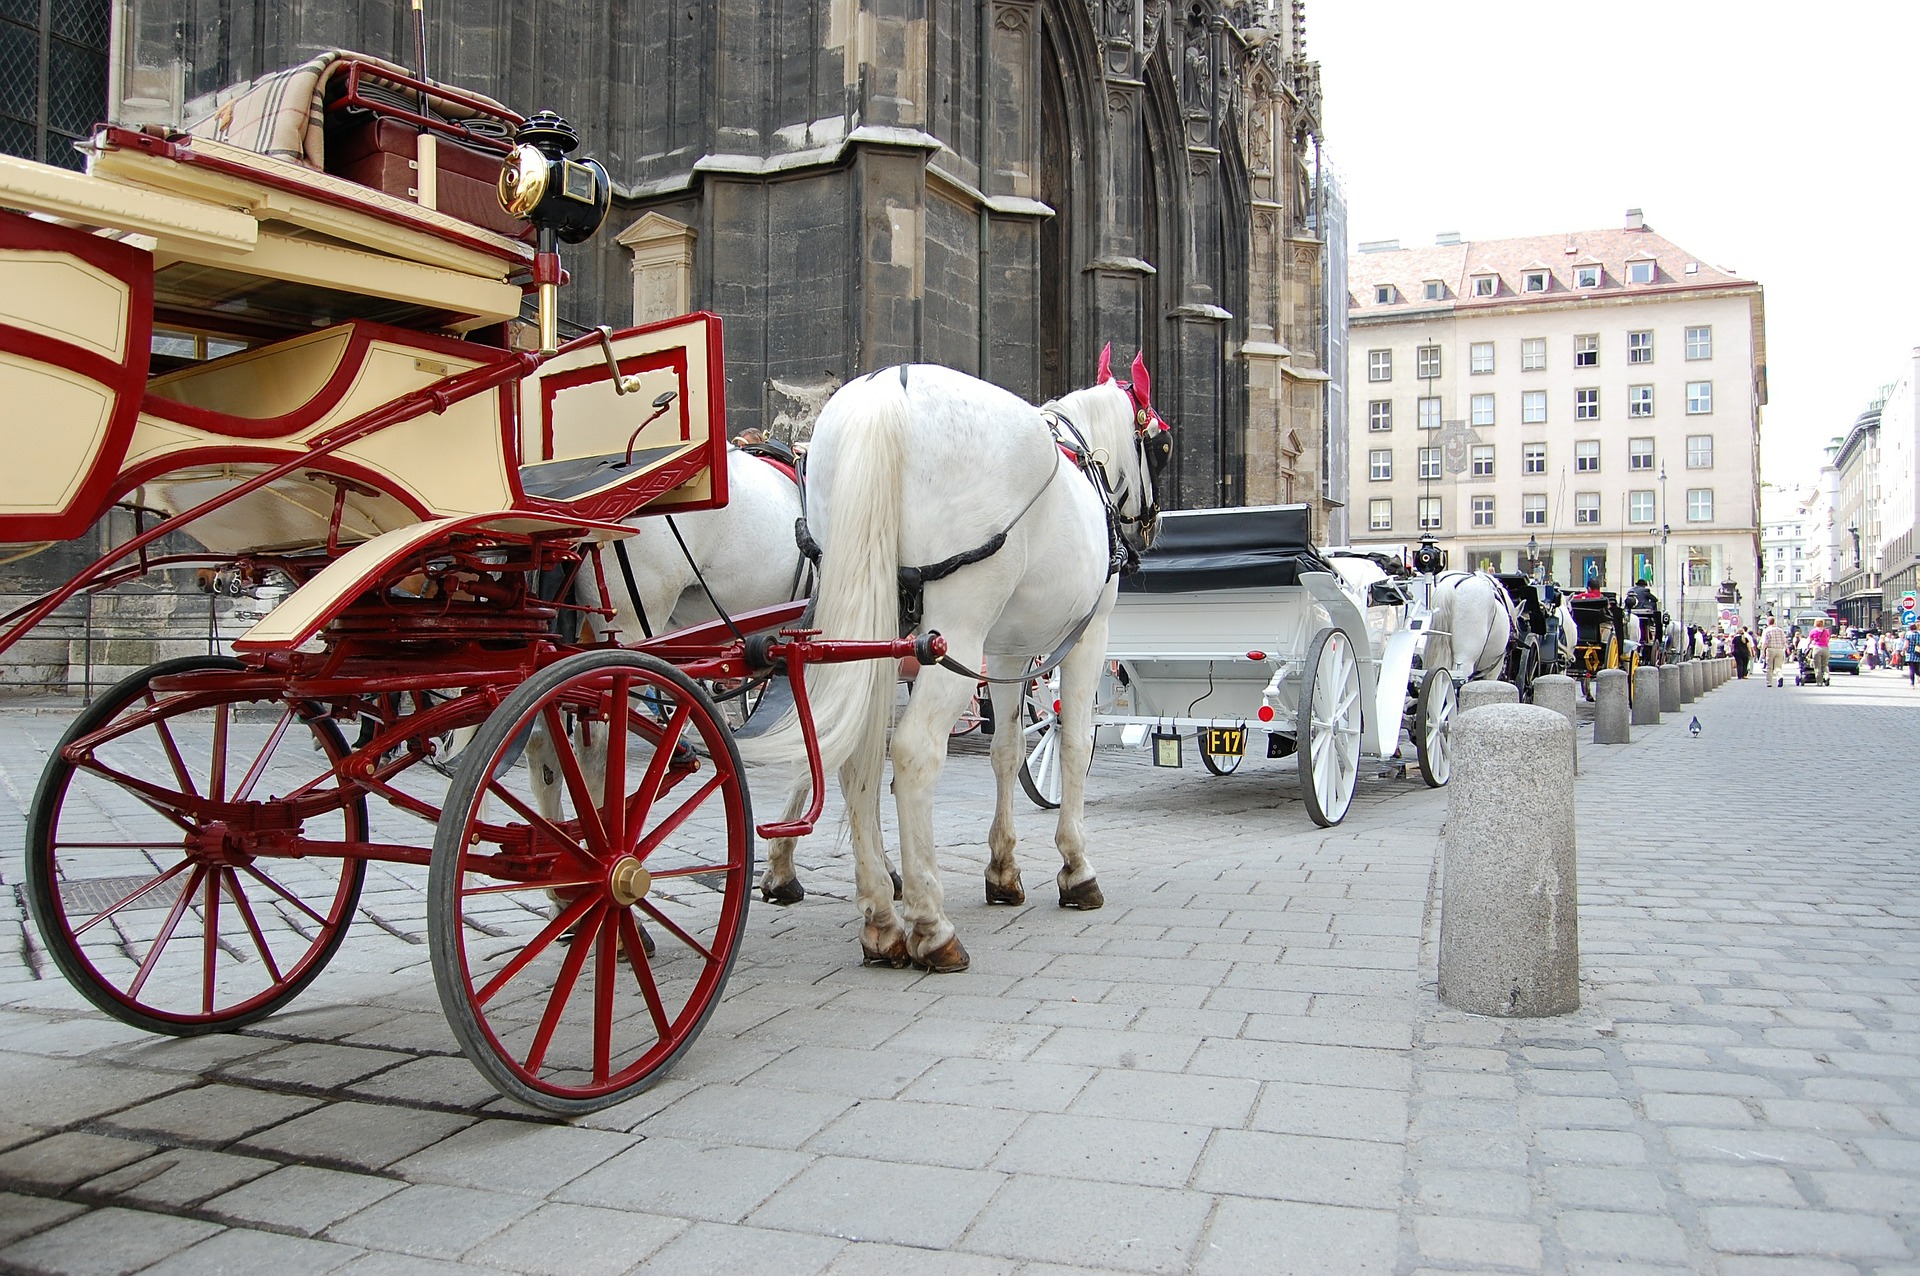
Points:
(918, 466)
(1472, 626)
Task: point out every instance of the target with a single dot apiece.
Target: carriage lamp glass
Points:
(1166, 748)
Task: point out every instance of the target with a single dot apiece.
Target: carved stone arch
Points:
(1074, 170)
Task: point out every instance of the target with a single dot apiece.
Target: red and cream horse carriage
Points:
(433, 474)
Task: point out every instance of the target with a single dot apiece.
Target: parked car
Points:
(1843, 656)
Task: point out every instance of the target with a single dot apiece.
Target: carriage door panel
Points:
(76, 323)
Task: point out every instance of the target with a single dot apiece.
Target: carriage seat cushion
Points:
(1256, 548)
(564, 480)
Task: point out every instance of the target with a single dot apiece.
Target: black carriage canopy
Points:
(1260, 547)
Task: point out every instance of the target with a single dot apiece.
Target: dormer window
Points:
(1435, 290)
(1486, 285)
(1586, 276)
(1640, 272)
(1534, 281)
(1384, 294)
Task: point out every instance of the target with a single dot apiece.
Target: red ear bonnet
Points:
(1142, 383)
(1106, 365)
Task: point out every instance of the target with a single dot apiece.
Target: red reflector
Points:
(1256, 655)
(1056, 706)
(1266, 713)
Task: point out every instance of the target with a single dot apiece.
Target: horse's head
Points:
(1152, 448)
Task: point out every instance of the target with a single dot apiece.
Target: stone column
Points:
(1689, 681)
(1509, 915)
(1646, 696)
(1486, 691)
(1610, 725)
(1561, 694)
(1669, 688)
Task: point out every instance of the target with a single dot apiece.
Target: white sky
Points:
(1775, 140)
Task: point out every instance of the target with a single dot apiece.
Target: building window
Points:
(1699, 451)
(1435, 290)
(1429, 458)
(1533, 458)
(1586, 508)
(1533, 354)
(1533, 510)
(1699, 505)
(1699, 398)
(1383, 295)
(1534, 281)
(1482, 460)
(1640, 272)
(1586, 456)
(1426, 362)
(1380, 464)
(1482, 406)
(1639, 454)
(1533, 407)
(1486, 285)
(1640, 347)
(1379, 365)
(1380, 514)
(1429, 413)
(1700, 565)
(1429, 513)
(1483, 511)
(1639, 400)
(1586, 350)
(1586, 276)
(1640, 506)
(1482, 357)
(1380, 415)
(1700, 343)
(1586, 404)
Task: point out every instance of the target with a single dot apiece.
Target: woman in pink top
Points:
(1817, 643)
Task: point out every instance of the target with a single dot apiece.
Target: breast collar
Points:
(1073, 445)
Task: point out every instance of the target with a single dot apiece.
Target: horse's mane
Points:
(1104, 416)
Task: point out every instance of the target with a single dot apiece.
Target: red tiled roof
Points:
(1509, 259)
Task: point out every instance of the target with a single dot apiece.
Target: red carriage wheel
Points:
(172, 870)
(584, 910)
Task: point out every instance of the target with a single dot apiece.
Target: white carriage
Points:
(1237, 624)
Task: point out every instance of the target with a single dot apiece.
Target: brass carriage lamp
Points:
(565, 199)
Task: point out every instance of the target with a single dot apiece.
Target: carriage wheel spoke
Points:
(286, 894)
(594, 833)
(614, 786)
(637, 806)
(232, 881)
(651, 842)
(172, 750)
(533, 817)
(210, 940)
(217, 775)
(570, 967)
(605, 956)
(647, 907)
(166, 931)
(124, 900)
(537, 945)
(259, 768)
(161, 801)
(643, 972)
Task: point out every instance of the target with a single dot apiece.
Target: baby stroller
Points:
(1804, 670)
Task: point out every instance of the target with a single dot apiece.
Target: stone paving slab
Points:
(1239, 1065)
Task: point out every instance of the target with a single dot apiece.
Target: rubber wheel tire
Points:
(1223, 764)
(474, 834)
(44, 888)
(1436, 702)
(1334, 738)
(1040, 768)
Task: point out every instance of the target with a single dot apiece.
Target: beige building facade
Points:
(1589, 401)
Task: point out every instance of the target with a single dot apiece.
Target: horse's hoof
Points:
(899, 886)
(782, 893)
(949, 958)
(1006, 893)
(1086, 895)
(884, 948)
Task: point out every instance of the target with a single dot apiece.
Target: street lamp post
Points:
(1533, 559)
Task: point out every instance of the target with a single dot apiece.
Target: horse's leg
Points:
(779, 885)
(1079, 679)
(919, 751)
(1009, 745)
(883, 940)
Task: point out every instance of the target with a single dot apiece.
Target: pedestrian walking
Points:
(1773, 653)
(1913, 652)
(1819, 638)
(1742, 651)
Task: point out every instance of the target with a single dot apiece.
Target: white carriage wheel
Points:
(1433, 727)
(1329, 727)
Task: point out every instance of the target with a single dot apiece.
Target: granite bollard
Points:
(1561, 694)
(1509, 908)
(1646, 696)
(1689, 681)
(1610, 725)
(1485, 691)
(1669, 688)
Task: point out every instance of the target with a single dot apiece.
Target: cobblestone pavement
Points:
(1238, 1065)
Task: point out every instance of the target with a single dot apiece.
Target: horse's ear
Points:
(1106, 365)
(1142, 383)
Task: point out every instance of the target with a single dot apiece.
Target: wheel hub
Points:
(629, 881)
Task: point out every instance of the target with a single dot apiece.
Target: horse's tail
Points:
(858, 594)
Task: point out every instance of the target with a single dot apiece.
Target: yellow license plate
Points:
(1226, 742)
